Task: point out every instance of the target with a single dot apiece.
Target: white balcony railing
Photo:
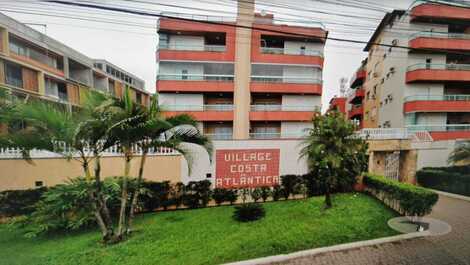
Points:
(439, 127)
(210, 107)
(195, 77)
(285, 79)
(219, 136)
(10, 153)
(384, 133)
(438, 97)
(449, 67)
(277, 135)
(442, 35)
(306, 52)
(278, 107)
(187, 47)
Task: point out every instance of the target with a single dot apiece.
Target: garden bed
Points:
(210, 235)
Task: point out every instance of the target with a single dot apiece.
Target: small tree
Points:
(334, 154)
(256, 194)
(265, 193)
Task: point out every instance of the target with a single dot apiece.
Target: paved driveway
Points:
(453, 248)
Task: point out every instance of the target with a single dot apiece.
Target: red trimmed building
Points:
(426, 87)
(260, 81)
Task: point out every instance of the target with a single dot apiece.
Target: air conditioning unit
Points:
(395, 42)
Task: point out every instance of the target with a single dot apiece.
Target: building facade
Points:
(35, 65)
(418, 77)
(258, 81)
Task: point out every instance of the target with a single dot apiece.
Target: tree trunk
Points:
(328, 197)
(101, 201)
(124, 197)
(135, 196)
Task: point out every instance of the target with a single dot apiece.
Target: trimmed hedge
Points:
(454, 179)
(19, 202)
(412, 200)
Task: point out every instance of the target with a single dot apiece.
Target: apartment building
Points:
(355, 96)
(425, 87)
(35, 65)
(259, 81)
(339, 104)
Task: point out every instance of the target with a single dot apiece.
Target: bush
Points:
(413, 200)
(219, 195)
(256, 194)
(265, 193)
(277, 193)
(249, 212)
(288, 183)
(454, 179)
(232, 196)
(157, 195)
(197, 194)
(19, 202)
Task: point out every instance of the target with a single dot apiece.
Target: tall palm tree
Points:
(461, 153)
(177, 132)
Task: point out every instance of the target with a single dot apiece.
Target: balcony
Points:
(276, 135)
(356, 95)
(437, 103)
(286, 85)
(444, 131)
(440, 13)
(358, 78)
(272, 112)
(438, 73)
(215, 112)
(287, 56)
(195, 83)
(356, 111)
(195, 52)
(440, 41)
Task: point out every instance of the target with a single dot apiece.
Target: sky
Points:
(130, 41)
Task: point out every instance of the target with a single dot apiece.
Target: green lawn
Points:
(210, 236)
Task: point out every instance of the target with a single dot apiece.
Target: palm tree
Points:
(461, 153)
(52, 127)
(335, 157)
(177, 132)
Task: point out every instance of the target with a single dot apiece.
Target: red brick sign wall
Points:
(247, 168)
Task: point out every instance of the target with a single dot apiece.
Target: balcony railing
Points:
(450, 67)
(285, 79)
(270, 50)
(439, 127)
(442, 35)
(211, 107)
(384, 133)
(277, 135)
(185, 47)
(220, 136)
(438, 98)
(277, 107)
(195, 77)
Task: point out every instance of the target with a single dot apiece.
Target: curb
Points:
(452, 195)
(316, 251)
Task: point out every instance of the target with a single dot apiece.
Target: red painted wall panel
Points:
(194, 86)
(247, 168)
(440, 43)
(437, 106)
(426, 75)
(204, 115)
(286, 88)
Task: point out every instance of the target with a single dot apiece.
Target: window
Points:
(13, 75)
(62, 90)
(184, 74)
(138, 97)
(111, 88)
(38, 184)
(52, 88)
(17, 48)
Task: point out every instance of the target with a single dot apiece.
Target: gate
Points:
(392, 165)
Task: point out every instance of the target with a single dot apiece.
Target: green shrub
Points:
(265, 193)
(232, 196)
(219, 195)
(413, 200)
(249, 212)
(454, 179)
(277, 193)
(19, 202)
(256, 194)
(197, 194)
(288, 183)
